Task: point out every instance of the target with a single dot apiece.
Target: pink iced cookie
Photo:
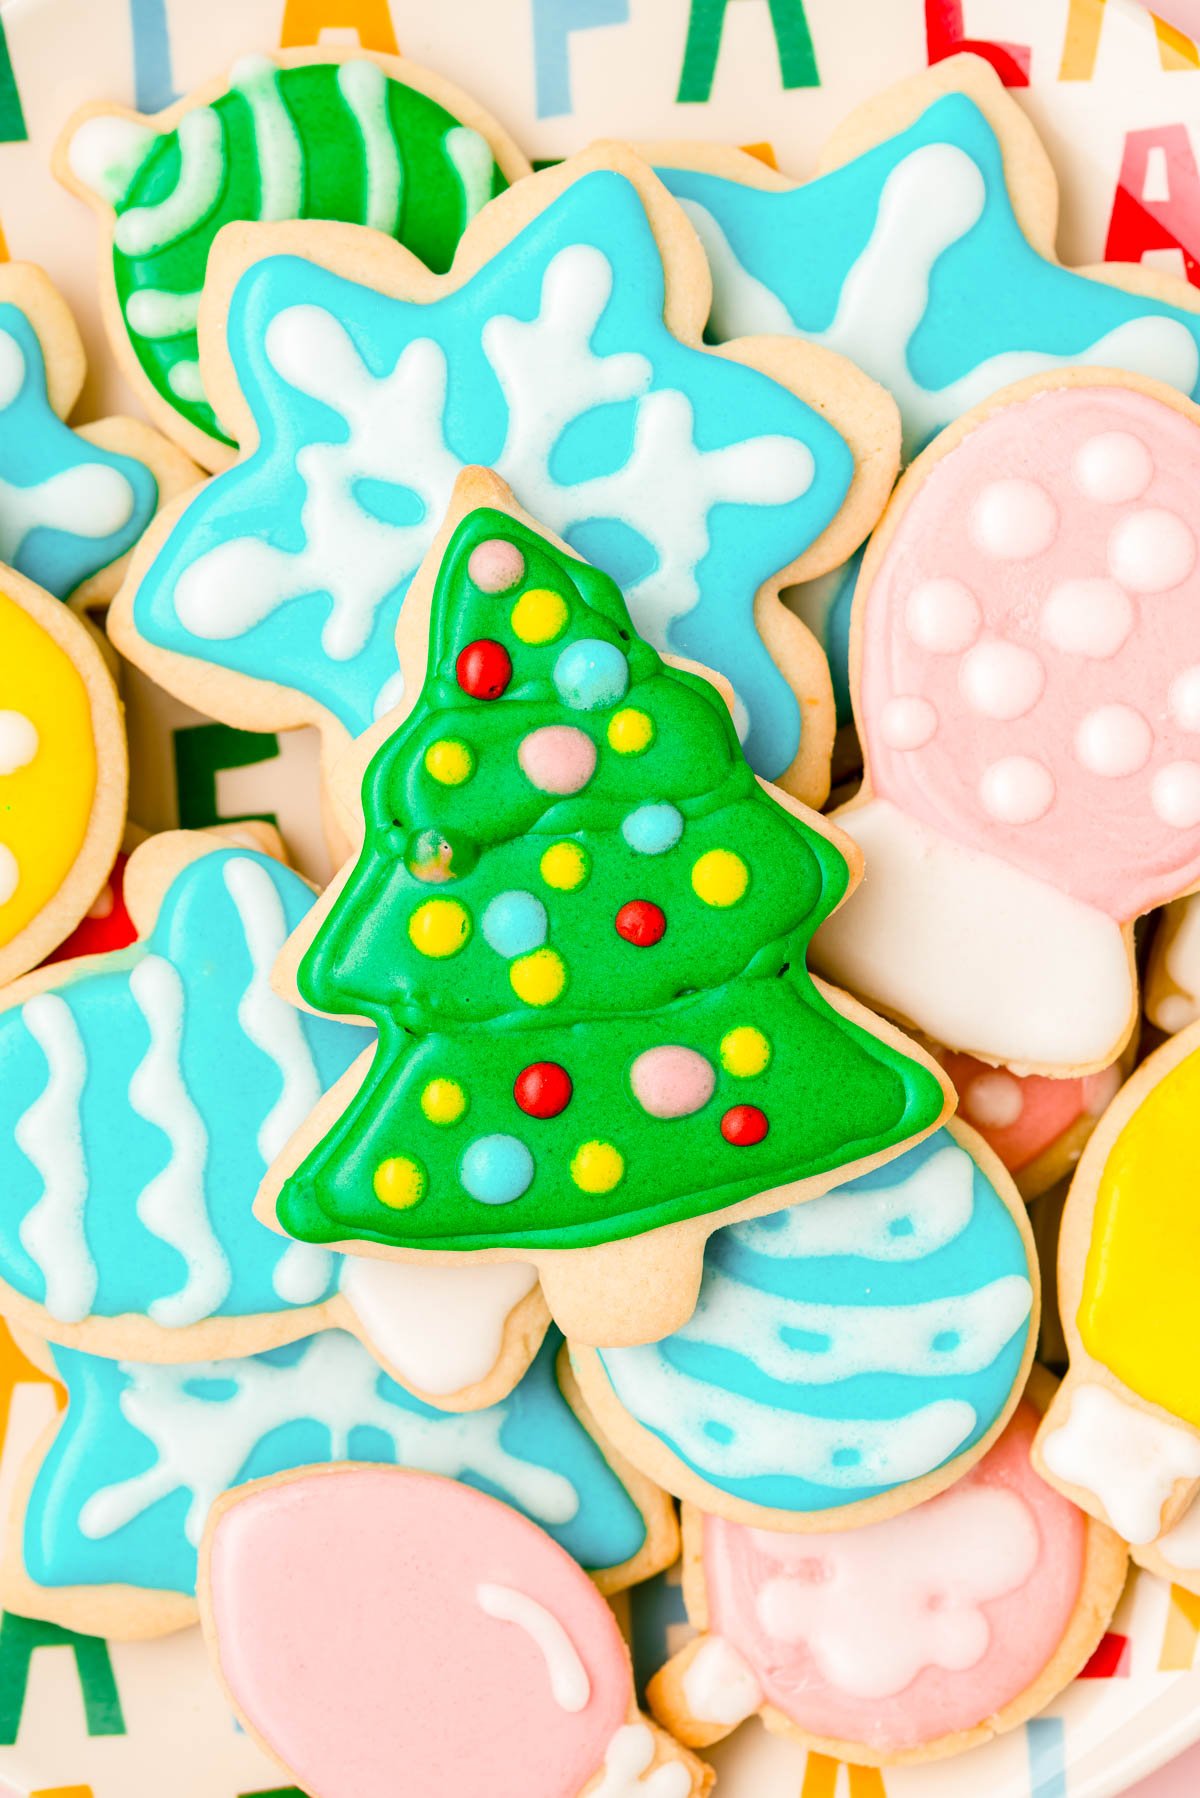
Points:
(1037, 1125)
(1028, 695)
(380, 1630)
(904, 1639)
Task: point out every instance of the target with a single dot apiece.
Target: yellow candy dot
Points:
(597, 1166)
(720, 877)
(440, 927)
(539, 616)
(630, 731)
(744, 1051)
(538, 978)
(564, 866)
(443, 1101)
(400, 1181)
(449, 762)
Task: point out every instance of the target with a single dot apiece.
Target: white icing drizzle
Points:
(922, 1212)
(49, 1134)
(363, 86)
(174, 1205)
(1126, 1457)
(441, 1328)
(930, 200)
(276, 141)
(202, 1444)
(861, 1339)
(758, 1440)
(548, 374)
(157, 312)
(569, 1682)
(303, 1273)
(271, 1024)
(627, 1762)
(144, 229)
(719, 1686)
(471, 158)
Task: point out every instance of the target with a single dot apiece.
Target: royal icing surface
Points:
(323, 140)
(895, 259)
(909, 1629)
(377, 1574)
(1043, 627)
(143, 1451)
(491, 928)
(67, 507)
(47, 767)
(1020, 1116)
(142, 1099)
(847, 1346)
(1127, 1458)
(689, 478)
(1137, 1301)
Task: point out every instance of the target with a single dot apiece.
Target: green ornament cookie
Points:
(367, 140)
(579, 924)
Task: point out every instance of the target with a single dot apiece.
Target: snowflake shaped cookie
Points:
(562, 350)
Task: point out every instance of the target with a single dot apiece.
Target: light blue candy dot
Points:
(653, 829)
(496, 1169)
(515, 923)
(591, 674)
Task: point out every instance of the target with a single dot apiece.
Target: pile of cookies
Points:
(407, 1250)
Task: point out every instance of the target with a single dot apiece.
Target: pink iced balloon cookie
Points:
(382, 1631)
(1036, 1124)
(1027, 655)
(907, 1639)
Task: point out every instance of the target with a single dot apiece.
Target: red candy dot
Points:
(744, 1125)
(641, 923)
(484, 668)
(543, 1089)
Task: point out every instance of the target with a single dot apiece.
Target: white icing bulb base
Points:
(976, 953)
(1125, 1458)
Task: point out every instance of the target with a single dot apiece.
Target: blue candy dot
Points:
(496, 1169)
(515, 923)
(591, 674)
(653, 829)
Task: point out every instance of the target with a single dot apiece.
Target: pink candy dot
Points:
(1113, 466)
(907, 722)
(496, 565)
(1013, 519)
(1017, 789)
(557, 758)
(1151, 550)
(672, 1082)
(993, 1100)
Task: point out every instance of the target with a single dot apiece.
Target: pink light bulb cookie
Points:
(906, 1640)
(1035, 1123)
(374, 1626)
(1026, 667)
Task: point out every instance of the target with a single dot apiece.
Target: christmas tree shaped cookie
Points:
(579, 924)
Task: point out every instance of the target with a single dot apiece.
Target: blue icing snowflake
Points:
(691, 479)
(847, 1345)
(67, 507)
(141, 1100)
(125, 1488)
(910, 260)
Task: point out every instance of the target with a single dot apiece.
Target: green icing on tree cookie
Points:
(579, 924)
(320, 141)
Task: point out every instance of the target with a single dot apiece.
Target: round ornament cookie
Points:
(847, 1357)
(300, 134)
(365, 1619)
(1122, 1437)
(1026, 667)
(908, 1640)
(63, 772)
(579, 924)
